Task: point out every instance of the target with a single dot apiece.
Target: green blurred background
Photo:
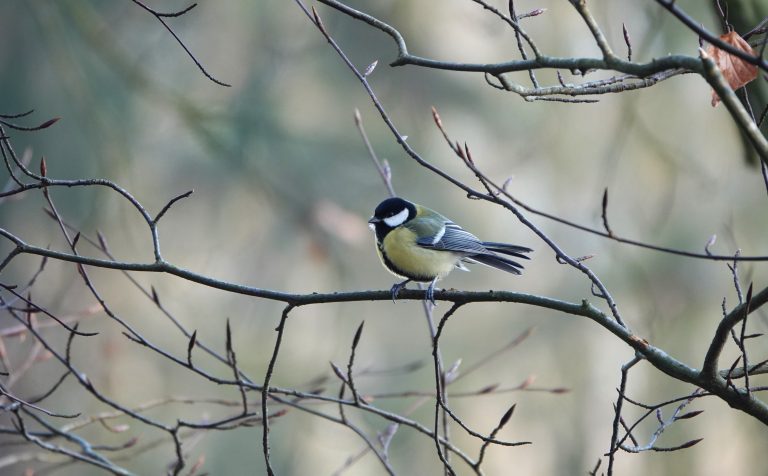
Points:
(283, 186)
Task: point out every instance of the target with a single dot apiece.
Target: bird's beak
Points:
(372, 223)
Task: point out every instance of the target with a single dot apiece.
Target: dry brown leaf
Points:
(735, 70)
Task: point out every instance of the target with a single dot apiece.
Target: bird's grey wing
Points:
(452, 237)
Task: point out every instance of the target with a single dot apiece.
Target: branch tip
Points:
(688, 444)
(319, 22)
(507, 415)
(627, 41)
(190, 346)
(358, 333)
(338, 372)
(689, 415)
(228, 340)
(369, 69)
(605, 213)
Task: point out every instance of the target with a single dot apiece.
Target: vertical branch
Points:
(382, 167)
(232, 358)
(350, 380)
(605, 213)
(742, 340)
(433, 333)
(734, 268)
(763, 167)
(440, 398)
(265, 388)
(617, 417)
(519, 39)
(627, 41)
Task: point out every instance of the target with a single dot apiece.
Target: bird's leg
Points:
(397, 287)
(431, 292)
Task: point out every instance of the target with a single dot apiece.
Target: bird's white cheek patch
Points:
(397, 220)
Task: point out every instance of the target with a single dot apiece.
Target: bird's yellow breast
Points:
(404, 258)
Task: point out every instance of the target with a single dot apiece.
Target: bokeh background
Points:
(283, 187)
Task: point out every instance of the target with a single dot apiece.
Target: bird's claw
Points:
(397, 287)
(430, 295)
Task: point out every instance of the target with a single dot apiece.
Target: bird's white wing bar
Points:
(438, 236)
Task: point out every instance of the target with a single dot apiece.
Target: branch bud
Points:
(505, 419)
(359, 332)
(370, 68)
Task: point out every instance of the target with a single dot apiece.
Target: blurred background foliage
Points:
(283, 186)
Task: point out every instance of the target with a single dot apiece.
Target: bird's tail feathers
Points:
(507, 249)
(498, 262)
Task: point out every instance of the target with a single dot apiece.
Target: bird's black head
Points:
(390, 214)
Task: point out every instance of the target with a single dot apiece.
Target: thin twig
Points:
(617, 412)
(161, 18)
(265, 387)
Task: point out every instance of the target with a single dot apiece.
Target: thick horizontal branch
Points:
(581, 65)
(295, 298)
(576, 65)
(582, 309)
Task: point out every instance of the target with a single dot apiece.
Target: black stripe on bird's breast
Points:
(382, 230)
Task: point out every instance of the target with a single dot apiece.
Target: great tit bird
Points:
(419, 244)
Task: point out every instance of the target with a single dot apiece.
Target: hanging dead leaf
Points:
(735, 70)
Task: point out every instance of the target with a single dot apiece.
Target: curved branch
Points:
(44, 183)
(582, 65)
(738, 314)
(161, 18)
(300, 299)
